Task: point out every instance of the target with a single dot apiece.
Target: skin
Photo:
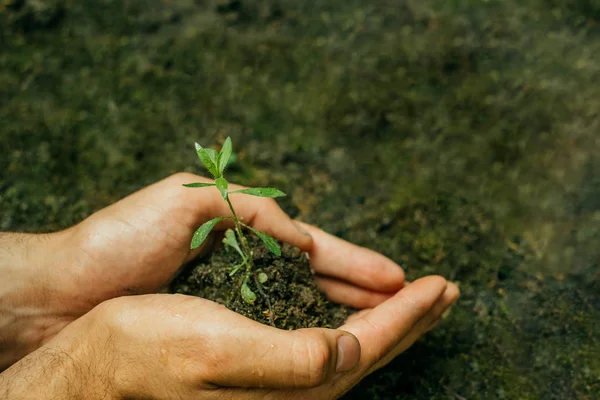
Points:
(81, 314)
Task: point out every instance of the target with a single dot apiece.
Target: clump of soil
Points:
(295, 299)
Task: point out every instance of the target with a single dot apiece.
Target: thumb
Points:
(274, 358)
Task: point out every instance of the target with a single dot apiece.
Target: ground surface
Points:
(457, 137)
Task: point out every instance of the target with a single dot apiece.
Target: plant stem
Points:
(238, 229)
(250, 261)
(263, 294)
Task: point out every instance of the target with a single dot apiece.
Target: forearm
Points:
(44, 373)
(67, 368)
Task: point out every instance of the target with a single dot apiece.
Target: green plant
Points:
(216, 162)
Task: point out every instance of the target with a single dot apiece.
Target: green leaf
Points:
(202, 232)
(222, 185)
(247, 294)
(231, 240)
(271, 243)
(235, 269)
(262, 277)
(225, 154)
(214, 157)
(206, 160)
(262, 192)
(198, 184)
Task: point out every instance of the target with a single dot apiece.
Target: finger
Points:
(452, 294)
(428, 322)
(266, 215)
(448, 298)
(262, 213)
(381, 329)
(357, 265)
(353, 296)
(358, 315)
(261, 356)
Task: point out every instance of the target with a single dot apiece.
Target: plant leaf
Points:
(206, 160)
(198, 184)
(222, 185)
(262, 192)
(231, 240)
(270, 242)
(202, 232)
(247, 293)
(214, 157)
(225, 154)
(235, 269)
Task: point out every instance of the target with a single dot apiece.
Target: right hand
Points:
(166, 346)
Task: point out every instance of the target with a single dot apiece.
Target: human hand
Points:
(138, 244)
(175, 346)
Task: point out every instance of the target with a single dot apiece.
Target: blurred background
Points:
(458, 137)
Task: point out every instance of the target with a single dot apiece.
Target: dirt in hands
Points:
(296, 300)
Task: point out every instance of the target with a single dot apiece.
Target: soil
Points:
(295, 299)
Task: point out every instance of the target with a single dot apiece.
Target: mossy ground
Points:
(457, 137)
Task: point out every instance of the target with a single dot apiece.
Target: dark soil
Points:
(296, 301)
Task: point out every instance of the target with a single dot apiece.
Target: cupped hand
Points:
(166, 346)
(138, 244)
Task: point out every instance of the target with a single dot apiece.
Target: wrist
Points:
(27, 313)
(75, 365)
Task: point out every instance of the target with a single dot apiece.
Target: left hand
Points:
(138, 244)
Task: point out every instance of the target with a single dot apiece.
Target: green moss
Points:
(457, 137)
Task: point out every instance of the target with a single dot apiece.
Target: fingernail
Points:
(300, 229)
(348, 353)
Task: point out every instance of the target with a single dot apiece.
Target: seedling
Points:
(216, 163)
